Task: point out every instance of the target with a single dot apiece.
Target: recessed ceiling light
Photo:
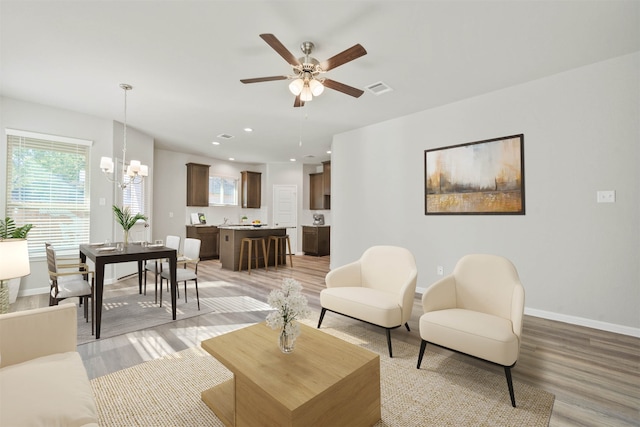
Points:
(248, 130)
(231, 158)
(215, 142)
(328, 151)
(292, 160)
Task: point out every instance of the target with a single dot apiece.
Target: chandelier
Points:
(134, 170)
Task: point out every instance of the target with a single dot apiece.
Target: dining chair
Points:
(191, 258)
(67, 280)
(156, 266)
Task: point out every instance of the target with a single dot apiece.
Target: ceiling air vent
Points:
(378, 88)
(225, 136)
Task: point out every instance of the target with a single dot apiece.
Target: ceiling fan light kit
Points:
(305, 81)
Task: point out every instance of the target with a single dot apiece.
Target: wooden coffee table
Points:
(325, 382)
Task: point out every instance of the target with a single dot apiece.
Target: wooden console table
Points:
(325, 382)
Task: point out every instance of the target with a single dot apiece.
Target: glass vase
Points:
(286, 341)
(126, 237)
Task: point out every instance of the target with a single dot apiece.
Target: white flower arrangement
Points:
(290, 305)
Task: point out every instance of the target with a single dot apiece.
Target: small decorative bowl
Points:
(257, 225)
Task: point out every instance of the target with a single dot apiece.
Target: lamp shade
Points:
(14, 258)
(316, 87)
(296, 86)
(306, 95)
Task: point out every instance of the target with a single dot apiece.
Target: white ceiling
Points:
(185, 59)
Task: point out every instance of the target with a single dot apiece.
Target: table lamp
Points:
(14, 262)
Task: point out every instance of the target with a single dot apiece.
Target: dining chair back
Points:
(69, 278)
(189, 272)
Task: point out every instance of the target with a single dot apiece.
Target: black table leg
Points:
(99, 290)
(173, 261)
(140, 277)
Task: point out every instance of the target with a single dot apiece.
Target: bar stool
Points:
(249, 241)
(279, 242)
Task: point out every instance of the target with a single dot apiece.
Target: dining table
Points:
(103, 254)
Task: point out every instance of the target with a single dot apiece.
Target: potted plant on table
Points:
(127, 220)
(9, 230)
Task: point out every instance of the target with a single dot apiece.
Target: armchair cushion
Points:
(371, 305)
(479, 334)
(49, 390)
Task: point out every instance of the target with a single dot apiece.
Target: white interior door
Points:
(285, 211)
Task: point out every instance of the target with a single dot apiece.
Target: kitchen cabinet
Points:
(197, 184)
(316, 196)
(316, 240)
(326, 178)
(320, 188)
(251, 189)
(209, 236)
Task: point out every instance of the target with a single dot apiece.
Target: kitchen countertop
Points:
(250, 227)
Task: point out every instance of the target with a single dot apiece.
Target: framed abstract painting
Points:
(476, 178)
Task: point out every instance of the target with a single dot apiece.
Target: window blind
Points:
(48, 186)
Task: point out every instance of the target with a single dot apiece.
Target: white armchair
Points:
(477, 310)
(379, 289)
(43, 381)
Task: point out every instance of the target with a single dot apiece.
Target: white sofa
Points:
(43, 381)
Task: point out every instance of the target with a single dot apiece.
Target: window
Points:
(133, 195)
(223, 190)
(48, 186)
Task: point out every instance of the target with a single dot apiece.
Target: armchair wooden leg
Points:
(324, 310)
(507, 371)
(406, 325)
(423, 346)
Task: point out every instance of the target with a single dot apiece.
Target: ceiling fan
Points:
(306, 81)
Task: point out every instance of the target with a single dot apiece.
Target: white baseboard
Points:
(575, 320)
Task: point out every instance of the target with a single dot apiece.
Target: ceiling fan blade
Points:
(354, 52)
(279, 47)
(341, 87)
(263, 79)
(298, 102)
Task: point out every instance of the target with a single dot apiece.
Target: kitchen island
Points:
(232, 235)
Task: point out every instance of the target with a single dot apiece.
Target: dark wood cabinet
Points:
(320, 188)
(251, 189)
(316, 240)
(209, 237)
(197, 184)
(316, 196)
(326, 178)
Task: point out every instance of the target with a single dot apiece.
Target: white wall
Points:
(578, 260)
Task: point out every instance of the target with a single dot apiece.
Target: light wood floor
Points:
(594, 375)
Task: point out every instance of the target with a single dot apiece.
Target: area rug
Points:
(444, 392)
(131, 311)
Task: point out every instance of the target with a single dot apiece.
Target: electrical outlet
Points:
(608, 196)
(170, 214)
(440, 270)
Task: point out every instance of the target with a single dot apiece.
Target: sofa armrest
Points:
(29, 334)
(347, 275)
(441, 295)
